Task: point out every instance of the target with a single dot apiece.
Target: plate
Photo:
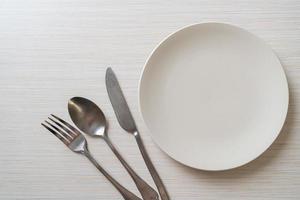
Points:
(213, 96)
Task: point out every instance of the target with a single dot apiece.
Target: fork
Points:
(73, 139)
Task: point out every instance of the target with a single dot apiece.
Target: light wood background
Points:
(52, 50)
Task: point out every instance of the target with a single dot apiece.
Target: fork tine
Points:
(68, 125)
(65, 135)
(56, 134)
(70, 133)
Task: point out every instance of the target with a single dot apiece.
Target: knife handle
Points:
(158, 182)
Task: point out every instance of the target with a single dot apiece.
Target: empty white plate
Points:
(213, 96)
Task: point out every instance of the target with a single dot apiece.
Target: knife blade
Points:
(118, 102)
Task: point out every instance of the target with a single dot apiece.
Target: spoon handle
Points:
(124, 192)
(158, 182)
(147, 192)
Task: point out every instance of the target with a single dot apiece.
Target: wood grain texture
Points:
(52, 50)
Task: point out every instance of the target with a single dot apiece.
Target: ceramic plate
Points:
(213, 96)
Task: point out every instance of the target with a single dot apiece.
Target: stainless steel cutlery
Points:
(73, 139)
(89, 118)
(126, 121)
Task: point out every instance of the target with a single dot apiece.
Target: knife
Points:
(126, 121)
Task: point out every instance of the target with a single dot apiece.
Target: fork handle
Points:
(157, 180)
(127, 195)
(147, 192)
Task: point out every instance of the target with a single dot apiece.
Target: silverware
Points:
(89, 118)
(126, 121)
(73, 139)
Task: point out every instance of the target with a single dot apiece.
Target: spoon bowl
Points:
(87, 116)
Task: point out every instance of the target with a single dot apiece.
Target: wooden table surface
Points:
(52, 50)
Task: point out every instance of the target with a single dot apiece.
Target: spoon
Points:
(89, 118)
